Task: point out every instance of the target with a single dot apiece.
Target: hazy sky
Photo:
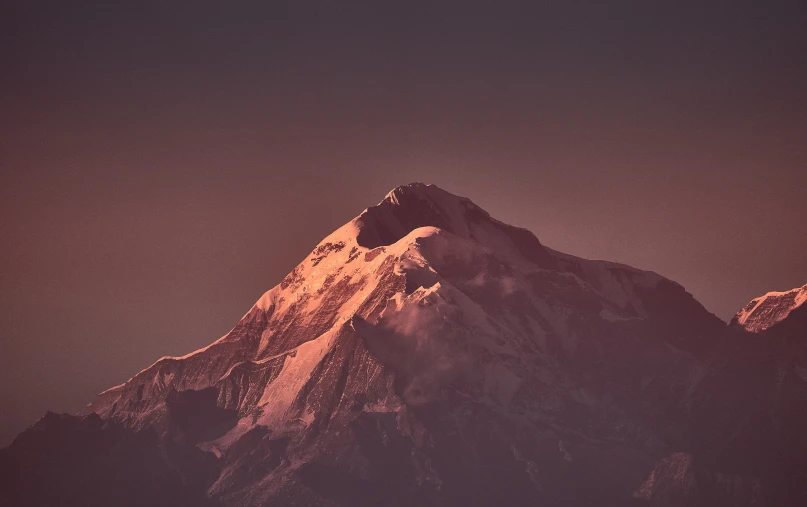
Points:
(163, 165)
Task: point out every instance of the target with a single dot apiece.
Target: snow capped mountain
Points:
(420, 259)
(428, 354)
(766, 311)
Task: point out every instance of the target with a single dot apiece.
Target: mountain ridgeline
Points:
(426, 354)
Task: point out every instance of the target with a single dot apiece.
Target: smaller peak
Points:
(770, 309)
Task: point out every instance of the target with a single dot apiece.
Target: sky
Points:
(162, 164)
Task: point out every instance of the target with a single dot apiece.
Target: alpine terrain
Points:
(426, 354)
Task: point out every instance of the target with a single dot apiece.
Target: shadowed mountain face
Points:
(427, 354)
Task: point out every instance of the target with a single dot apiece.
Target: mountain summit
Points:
(767, 311)
(426, 354)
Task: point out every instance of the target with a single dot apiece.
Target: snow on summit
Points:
(764, 312)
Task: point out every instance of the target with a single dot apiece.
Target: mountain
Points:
(426, 353)
(751, 410)
(767, 311)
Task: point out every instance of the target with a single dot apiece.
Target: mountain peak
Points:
(768, 310)
(418, 193)
(411, 189)
(408, 207)
(357, 378)
(417, 205)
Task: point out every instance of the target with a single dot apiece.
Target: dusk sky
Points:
(165, 163)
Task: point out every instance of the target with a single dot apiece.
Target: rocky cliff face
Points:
(428, 354)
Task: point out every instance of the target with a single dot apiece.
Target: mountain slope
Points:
(428, 354)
